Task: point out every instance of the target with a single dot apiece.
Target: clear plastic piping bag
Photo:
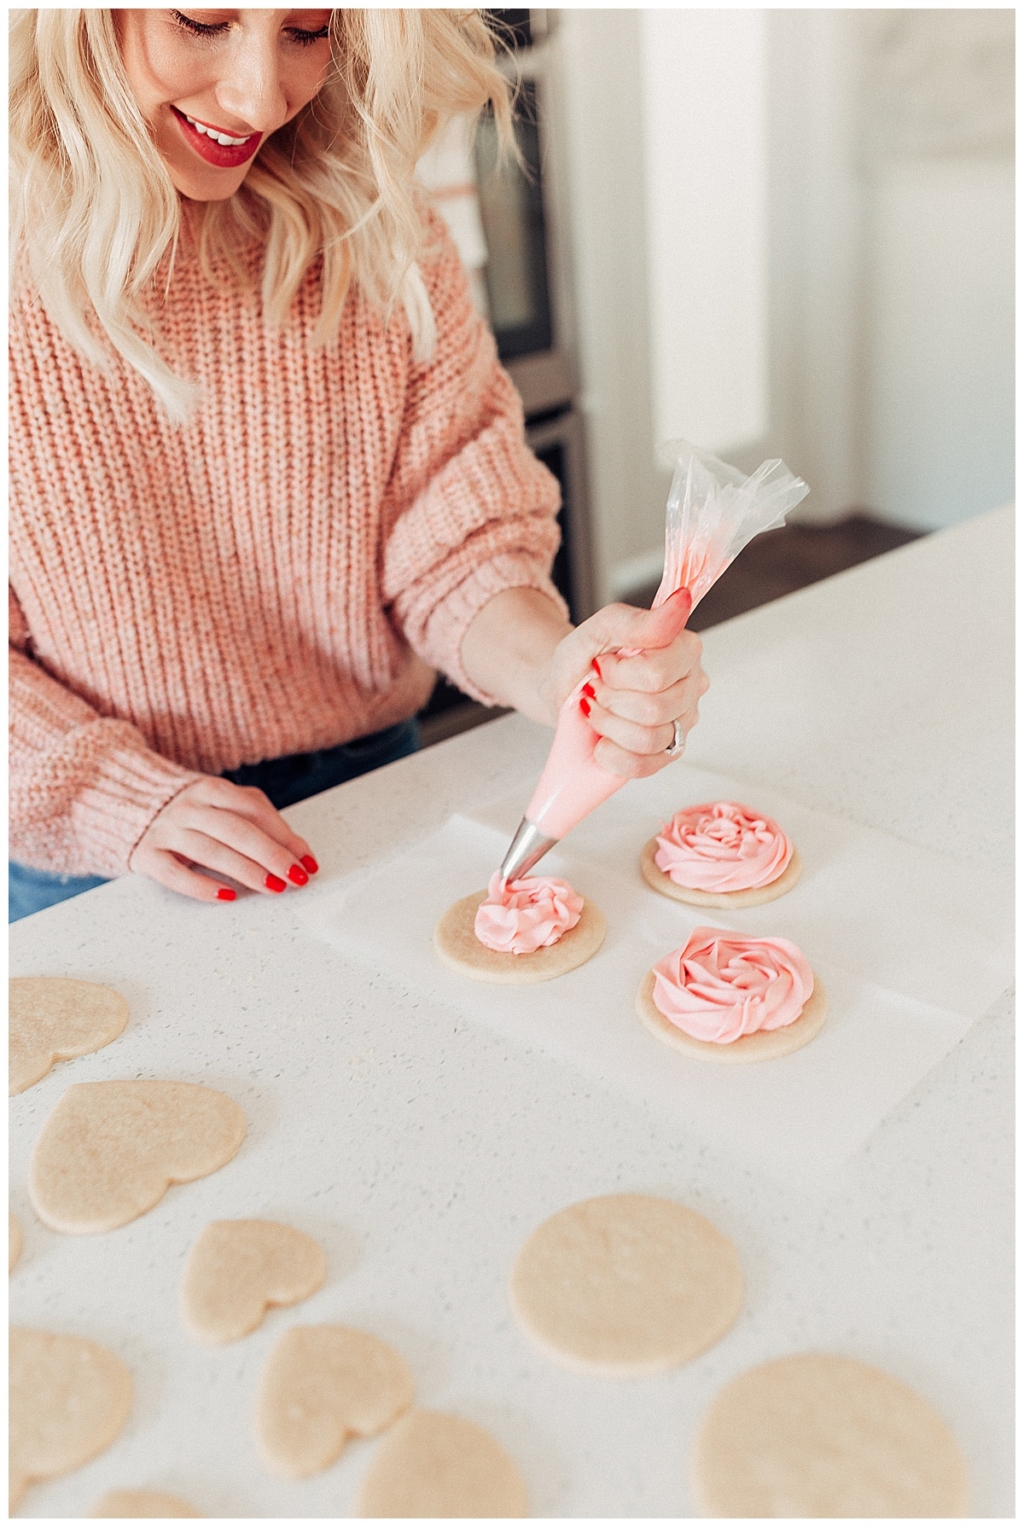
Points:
(712, 512)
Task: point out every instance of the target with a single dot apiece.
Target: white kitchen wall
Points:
(936, 150)
(791, 234)
(704, 95)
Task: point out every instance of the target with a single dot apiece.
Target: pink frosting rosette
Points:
(722, 846)
(722, 986)
(526, 915)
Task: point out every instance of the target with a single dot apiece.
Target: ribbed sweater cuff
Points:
(114, 810)
(506, 571)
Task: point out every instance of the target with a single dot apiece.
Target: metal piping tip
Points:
(528, 845)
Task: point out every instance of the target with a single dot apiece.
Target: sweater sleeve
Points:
(83, 788)
(471, 509)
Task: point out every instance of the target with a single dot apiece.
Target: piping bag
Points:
(712, 512)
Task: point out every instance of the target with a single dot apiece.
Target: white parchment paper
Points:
(920, 923)
(909, 948)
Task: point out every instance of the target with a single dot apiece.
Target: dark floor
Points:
(781, 561)
(775, 563)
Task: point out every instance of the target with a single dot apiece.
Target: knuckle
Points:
(650, 712)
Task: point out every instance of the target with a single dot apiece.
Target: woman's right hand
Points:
(230, 829)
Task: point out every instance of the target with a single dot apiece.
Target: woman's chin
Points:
(199, 188)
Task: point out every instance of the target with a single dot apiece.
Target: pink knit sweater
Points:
(282, 574)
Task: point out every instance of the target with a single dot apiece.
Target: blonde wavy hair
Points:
(94, 212)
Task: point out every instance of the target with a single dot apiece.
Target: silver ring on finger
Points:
(677, 747)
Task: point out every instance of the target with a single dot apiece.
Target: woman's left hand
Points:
(632, 701)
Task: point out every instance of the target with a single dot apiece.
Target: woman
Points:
(267, 474)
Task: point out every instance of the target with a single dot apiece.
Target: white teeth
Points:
(217, 137)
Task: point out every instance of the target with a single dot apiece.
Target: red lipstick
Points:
(225, 156)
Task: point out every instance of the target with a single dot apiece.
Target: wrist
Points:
(508, 647)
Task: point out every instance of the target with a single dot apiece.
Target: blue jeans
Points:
(283, 780)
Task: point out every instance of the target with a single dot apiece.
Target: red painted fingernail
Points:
(596, 667)
(225, 894)
(297, 876)
(588, 689)
(273, 883)
(585, 707)
(309, 863)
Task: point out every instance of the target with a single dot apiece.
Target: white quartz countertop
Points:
(421, 1148)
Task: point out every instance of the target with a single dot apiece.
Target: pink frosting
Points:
(721, 985)
(722, 847)
(526, 915)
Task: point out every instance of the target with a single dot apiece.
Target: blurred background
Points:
(770, 232)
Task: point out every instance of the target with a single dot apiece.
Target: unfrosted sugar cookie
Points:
(321, 1386)
(721, 854)
(110, 1150)
(14, 1241)
(142, 1503)
(813, 1435)
(433, 1465)
(726, 997)
(55, 1019)
(69, 1398)
(528, 930)
(626, 1285)
(238, 1268)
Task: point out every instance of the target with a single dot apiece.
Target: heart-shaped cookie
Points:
(436, 1465)
(110, 1150)
(69, 1399)
(56, 1019)
(322, 1385)
(140, 1503)
(239, 1267)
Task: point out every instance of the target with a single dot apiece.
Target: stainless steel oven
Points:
(524, 283)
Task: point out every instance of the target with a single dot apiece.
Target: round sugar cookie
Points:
(626, 1285)
(69, 1398)
(659, 881)
(142, 1503)
(458, 947)
(766, 1044)
(815, 1435)
(434, 1465)
(53, 1019)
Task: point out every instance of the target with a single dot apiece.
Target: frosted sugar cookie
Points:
(143, 1503)
(69, 1399)
(528, 930)
(432, 1465)
(720, 854)
(814, 1435)
(14, 1241)
(238, 1268)
(110, 1150)
(55, 1019)
(726, 997)
(321, 1386)
(626, 1285)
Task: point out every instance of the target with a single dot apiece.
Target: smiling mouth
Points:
(217, 134)
(221, 149)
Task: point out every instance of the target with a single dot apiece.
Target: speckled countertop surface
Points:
(421, 1148)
